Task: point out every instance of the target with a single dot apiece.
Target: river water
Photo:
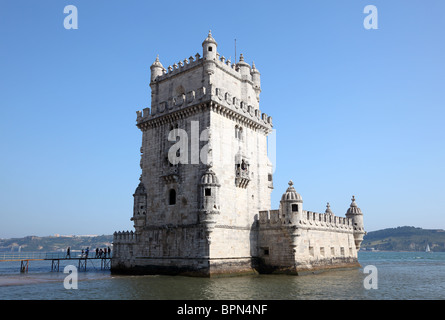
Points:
(392, 276)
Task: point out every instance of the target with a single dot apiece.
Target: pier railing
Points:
(15, 256)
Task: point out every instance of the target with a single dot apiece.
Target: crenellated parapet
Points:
(223, 101)
(221, 62)
(323, 220)
(179, 67)
(306, 219)
(124, 237)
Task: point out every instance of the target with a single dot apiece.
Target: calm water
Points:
(401, 275)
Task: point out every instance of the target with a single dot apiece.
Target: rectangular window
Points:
(294, 207)
(208, 192)
(322, 251)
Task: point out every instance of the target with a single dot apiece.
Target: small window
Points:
(210, 48)
(172, 197)
(266, 251)
(294, 207)
(208, 192)
(269, 177)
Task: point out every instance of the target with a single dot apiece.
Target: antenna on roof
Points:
(235, 51)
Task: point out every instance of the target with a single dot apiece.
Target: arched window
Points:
(238, 133)
(172, 197)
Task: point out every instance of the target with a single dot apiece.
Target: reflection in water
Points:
(401, 275)
(345, 284)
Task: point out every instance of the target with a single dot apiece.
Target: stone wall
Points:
(316, 241)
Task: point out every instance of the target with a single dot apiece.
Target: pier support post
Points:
(82, 264)
(24, 265)
(55, 265)
(105, 264)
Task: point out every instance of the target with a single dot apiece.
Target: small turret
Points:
(209, 192)
(209, 207)
(140, 207)
(256, 81)
(355, 213)
(156, 69)
(243, 67)
(291, 205)
(209, 47)
(328, 210)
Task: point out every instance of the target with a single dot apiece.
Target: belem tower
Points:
(209, 213)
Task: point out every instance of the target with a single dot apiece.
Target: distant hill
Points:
(391, 239)
(53, 243)
(405, 239)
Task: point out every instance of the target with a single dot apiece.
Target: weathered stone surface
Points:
(210, 213)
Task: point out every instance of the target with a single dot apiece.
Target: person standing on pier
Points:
(68, 253)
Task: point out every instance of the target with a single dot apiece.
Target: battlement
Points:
(203, 94)
(188, 63)
(180, 66)
(124, 237)
(270, 218)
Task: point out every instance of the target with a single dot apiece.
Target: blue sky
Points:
(356, 111)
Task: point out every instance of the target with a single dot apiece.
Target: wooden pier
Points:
(81, 260)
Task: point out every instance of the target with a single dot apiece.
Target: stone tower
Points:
(205, 172)
(356, 215)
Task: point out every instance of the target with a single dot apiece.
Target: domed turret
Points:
(209, 47)
(353, 209)
(139, 207)
(209, 178)
(328, 209)
(291, 194)
(291, 205)
(209, 196)
(355, 214)
(243, 67)
(156, 69)
(256, 81)
(140, 190)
